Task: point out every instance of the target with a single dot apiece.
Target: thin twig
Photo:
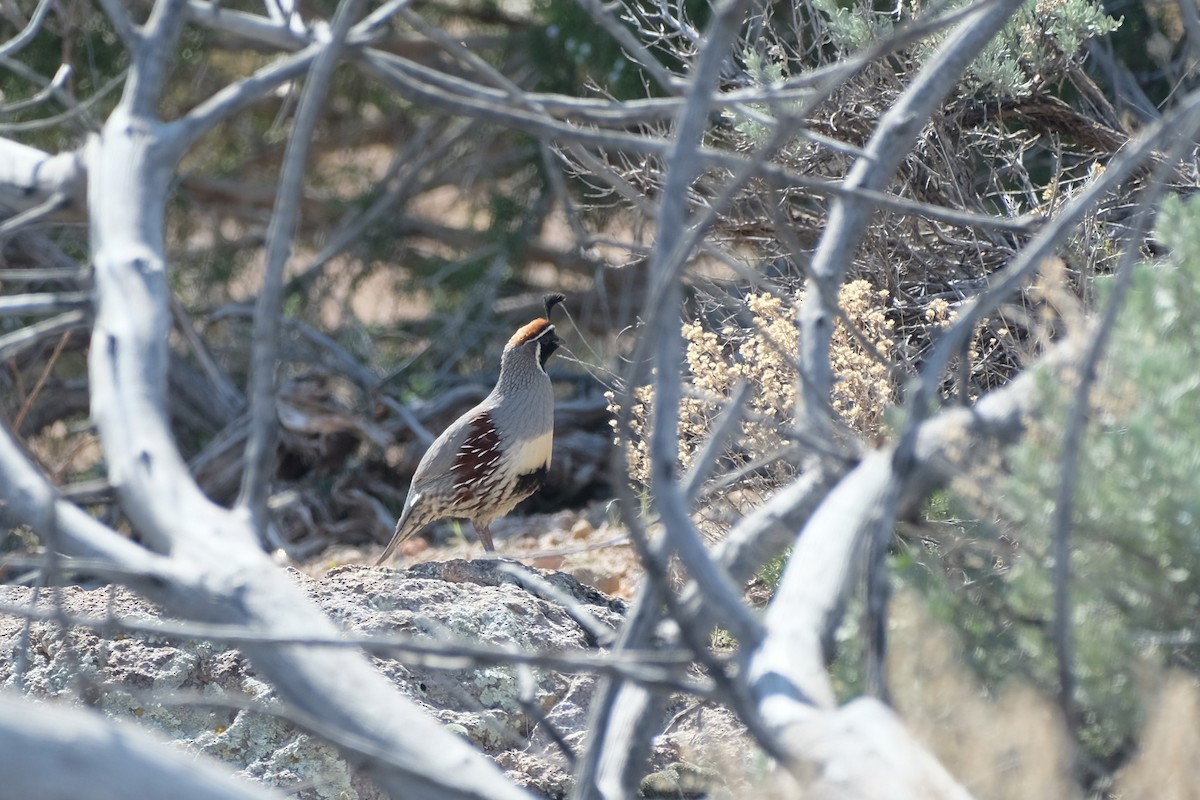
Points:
(403, 180)
(31, 216)
(1043, 245)
(538, 586)
(52, 89)
(41, 381)
(530, 704)
(652, 667)
(252, 27)
(43, 303)
(77, 111)
(260, 447)
(118, 17)
(20, 340)
(44, 275)
(633, 46)
(238, 96)
(422, 84)
(229, 394)
(722, 431)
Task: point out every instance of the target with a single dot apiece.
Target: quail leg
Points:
(485, 536)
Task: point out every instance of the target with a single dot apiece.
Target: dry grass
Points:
(1013, 746)
(1167, 766)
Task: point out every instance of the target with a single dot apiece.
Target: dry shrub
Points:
(763, 354)
(1009, 143)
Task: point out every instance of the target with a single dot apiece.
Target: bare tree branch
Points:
(54, 88)
(18, 42)
(1132, 157)
(787, 674)
(151, 57)
(29, 178)
(1077, 419)
(232, 581)
(119, 18)
(42, 303)
(31, 216)
(625, 726)
(107, 759)
(656, 668)
(260, 447)
(1191, 21)
(252, 27)
(421, 84)
(722, 433)
(240, 95)
(76, 113)
(632, 46)
(666, 261)
(20, 340)
(31, 499)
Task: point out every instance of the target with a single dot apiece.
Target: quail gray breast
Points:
(496, 454)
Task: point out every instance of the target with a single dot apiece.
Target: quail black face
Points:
(548, 342)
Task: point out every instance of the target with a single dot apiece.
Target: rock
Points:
(680, 779)
(208, 699)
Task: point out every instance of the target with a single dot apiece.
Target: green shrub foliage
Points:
(1042, 32)
(1135, 559)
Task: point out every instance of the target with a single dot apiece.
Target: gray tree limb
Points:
(667, 261)
(1079, 416)
(30, 498)
(1176, 124)
(26, 35)
(858, 748)
(609, 768)
(30, 177)
(223, 576)
(53, 753)
(233, 581)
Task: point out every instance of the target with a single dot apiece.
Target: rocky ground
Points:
(206, 698)
(586, 544)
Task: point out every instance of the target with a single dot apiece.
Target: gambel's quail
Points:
(496, 454)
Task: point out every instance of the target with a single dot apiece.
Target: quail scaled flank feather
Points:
(496, 454)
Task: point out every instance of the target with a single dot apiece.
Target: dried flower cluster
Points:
(763, 355)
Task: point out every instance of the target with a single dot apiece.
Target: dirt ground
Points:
(584, 544)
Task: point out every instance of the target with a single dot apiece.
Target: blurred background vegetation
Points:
(427, 237)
